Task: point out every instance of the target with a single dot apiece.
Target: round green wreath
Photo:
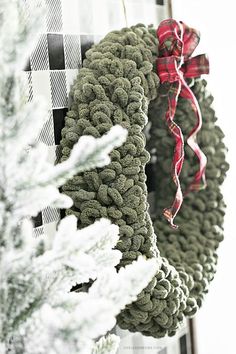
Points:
(118, 85)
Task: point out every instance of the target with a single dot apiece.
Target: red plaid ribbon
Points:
(176, 44)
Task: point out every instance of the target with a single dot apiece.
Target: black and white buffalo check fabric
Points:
(71, 27)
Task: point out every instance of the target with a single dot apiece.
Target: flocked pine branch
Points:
(44, 179)
(106, 345)
(28, 183)
(41, 310)
(38, 313)
(71, 322)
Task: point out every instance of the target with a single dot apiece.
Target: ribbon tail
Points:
(170, 213)
(178, 158)
(192, 141)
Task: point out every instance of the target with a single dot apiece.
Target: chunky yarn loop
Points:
(118, 85)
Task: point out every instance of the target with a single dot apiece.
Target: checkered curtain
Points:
(70, 28)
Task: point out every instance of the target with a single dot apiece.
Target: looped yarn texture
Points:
(117, 85)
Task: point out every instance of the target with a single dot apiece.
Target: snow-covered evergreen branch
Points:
(28, 183)
(36, 309)
(106, 345)
(38, 313)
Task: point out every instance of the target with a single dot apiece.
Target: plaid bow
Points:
(176, 44)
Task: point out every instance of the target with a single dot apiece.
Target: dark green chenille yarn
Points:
(115, 86)
(192, 249)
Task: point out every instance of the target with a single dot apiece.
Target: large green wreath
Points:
(118, 85)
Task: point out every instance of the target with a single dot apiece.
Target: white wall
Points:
(216, 322)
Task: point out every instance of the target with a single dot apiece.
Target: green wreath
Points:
(118, 85)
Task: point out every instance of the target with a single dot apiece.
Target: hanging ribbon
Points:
(176, 45)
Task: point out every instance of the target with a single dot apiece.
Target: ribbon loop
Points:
(177, 42)
(195, 66)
